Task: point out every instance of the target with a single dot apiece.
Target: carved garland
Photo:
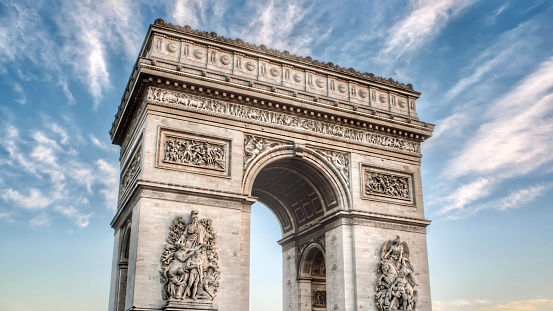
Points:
(395, 287)
(290, 122)
(190, 263)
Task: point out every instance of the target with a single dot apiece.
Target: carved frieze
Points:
(395, 287)
(255, 145)
(192, 152)
(340, 161)
(130, 171)
(190, 263)
(388, 185)
(277, 119)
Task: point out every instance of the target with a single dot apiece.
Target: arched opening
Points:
(299, 193)
(265, 260)
(123, 268)
(312, 277)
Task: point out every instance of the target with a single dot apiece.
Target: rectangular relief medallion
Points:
(380, 184)
(193, 152)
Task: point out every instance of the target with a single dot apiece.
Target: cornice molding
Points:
(307, 60)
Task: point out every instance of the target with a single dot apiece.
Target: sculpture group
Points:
(395, 287)
(190, 269)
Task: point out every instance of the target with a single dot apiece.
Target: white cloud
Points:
(102, 145)
(41, 220)
(72, 213)
(497, 58)
(490, 20)
(94, 28)
(522, 196)
(467, 193)
(35, 199)
(109, 178)
(72, 181)
(18, 88)
(426, 19)
(519, 137)
(6, 216)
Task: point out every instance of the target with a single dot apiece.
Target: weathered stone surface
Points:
(209, 125)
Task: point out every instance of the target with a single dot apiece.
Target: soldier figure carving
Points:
(395, 288)
(190, 269)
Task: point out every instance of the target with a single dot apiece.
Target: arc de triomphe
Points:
(209, 125)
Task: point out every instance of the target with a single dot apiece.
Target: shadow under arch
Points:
(298, 184)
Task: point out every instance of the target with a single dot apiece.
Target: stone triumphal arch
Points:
(209, 125)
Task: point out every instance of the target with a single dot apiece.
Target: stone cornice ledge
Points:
(212, 36)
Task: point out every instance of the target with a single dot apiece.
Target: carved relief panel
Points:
(190, 264)
(358, 93)
(245, 66)
(219, 60)
(131, 170)
(316, 83)
(399, 104)
(396, 284)
(166, 47)
(338, 88)
(256, 145)
(339, 160)
(293, 78)
(385, 185)
(379, 99)
(193, 152)
(270, 72)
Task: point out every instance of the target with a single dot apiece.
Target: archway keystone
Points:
(209, 125)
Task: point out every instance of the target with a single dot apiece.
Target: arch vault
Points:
(209, 125)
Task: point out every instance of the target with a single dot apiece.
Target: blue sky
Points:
(485, 70)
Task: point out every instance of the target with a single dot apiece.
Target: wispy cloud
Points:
(497, 58)
(283, 25)
(515, 199)
(35, 199)
(109, 178)
(40, 220)
(18, 88)
(519, 137)
(425, 20)
(81, 220)
(96, 28)
(514, 139)
(491, 19)
(63, 176)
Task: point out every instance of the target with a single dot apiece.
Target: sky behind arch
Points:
(485, 70)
